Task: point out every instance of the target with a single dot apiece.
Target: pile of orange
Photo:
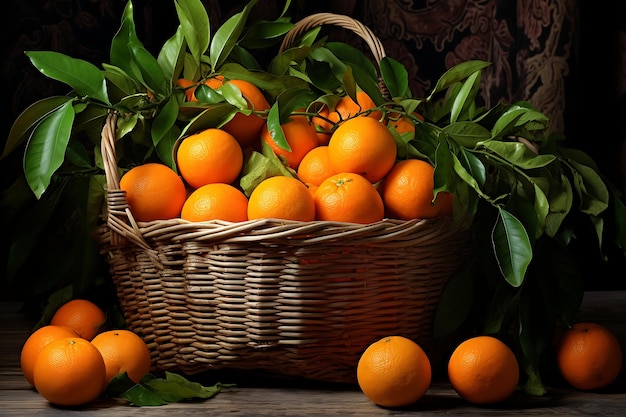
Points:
(71, 360)
(343, 162)
(395, 372)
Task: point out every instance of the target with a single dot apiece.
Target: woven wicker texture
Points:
(292, 298)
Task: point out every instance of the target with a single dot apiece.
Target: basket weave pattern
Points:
(293, 298)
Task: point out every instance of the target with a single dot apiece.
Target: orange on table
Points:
(483, 370)
(364, 146)
(300, 135)
(123, 351)
(209, 156)
(216, 201)
(153, 192)
(315, 167)
(36, 342)
(589, 356)
(408, 192)
(394, 372)
(70, 371)
(348, 197)
(281, 197)
(82, 316)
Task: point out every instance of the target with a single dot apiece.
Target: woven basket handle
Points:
(346, 22)
(119, 217)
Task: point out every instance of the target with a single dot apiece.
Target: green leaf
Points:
(465, 97)
(456, 74)
(327, 72)
(519, 154)
(259, 166)
(265, 34)
(244, 58)
(395, 76)
(149, 68)
(592, 191)
(471, 171)
(275, 129)
(513, 118)
(512, 247)
(175, 388)
(28, 119)
(214, 116)
(619, 214)
(534, 385)
(45, 150)
(196, 28)
(560, 198)
(467, 134)
(164, 120)
(233, 95)
(172, 55)
(363, 71)
(455, 303)
(120, 55)
(165, 147)
(84, 78)
(293, 99)
(227, 36)
(503, 304)
(120, 79)
(206, 94)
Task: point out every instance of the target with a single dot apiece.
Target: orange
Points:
(153, 192)
(589, 356)
(281, 198)
(394, 372)
(82, 316)
(364, 146)
(123, 351)
(483, 370)
(216, 202)
(36, 342)
(70, 371)
(209, 156)
(189, 87)
(247, 128)
(348, 197)
(408, 192)
(301, 138)
(315, 167)
(346, 109)
(404, 124)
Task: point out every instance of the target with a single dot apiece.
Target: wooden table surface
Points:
(258, 397)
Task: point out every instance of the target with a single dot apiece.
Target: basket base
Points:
(283, 305)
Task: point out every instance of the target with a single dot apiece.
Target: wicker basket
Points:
(292, 298)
